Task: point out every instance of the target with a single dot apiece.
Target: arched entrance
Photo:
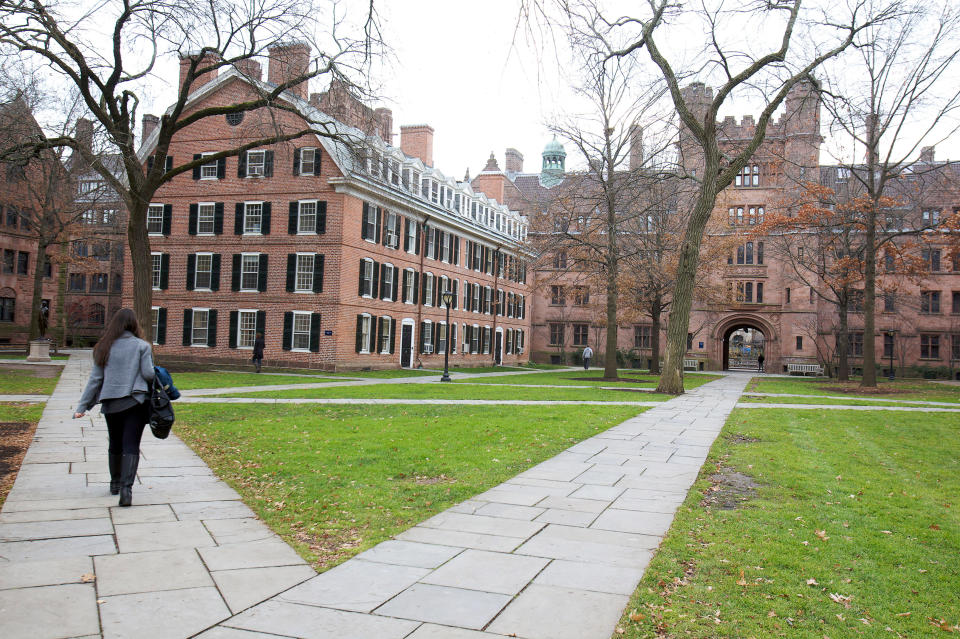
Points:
(742, 339)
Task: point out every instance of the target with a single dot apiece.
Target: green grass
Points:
(838, 401)
(15, 441)
(24, 357)
(24, 381)
(881, 489)
(898, 389)
(574, 378)
(460, 391)
(189, 381)
(335, 480)
(16, 412)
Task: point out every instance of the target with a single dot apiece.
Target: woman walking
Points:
(258, 351)
(120, 382)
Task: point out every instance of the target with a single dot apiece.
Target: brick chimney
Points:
(287, 62)
(416, 140)
(384, 118)
(927, 154)
(84, 133)
(150, 122)
(209, 58)
(513, 161)
(250, 68)
(636, 147)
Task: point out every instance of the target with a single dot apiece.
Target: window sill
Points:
(300, 350)
(248, 290)
(209, 178)
(244, 348)
(307, 233)
(199, 346)
(251, 234)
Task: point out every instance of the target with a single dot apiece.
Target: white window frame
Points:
(152, 212)
(366, 322)
(488, 345)
(428, 289)
(409, 288)
(156, 268)
(196, 270)
(294, 333)
(154, 323)
(208, 171)
(252, 170)
(385, 336)
(387, 295)
(300, 227)
(390, 230)
(241, 312)
(213, 217)
(193, 328)
(367, 278)
(441, 340)
(246, 213)
(453, 331)
(428, 337)
(243, 260)
(297, 288)
(374, 212)
(414, 236)
(313, 160)
(476, 336)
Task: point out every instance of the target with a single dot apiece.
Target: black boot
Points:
(130, 463)
(114, 461)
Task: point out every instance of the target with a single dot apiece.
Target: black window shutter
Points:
(363, 221)
(456, 250)
(161, 336)
(291, 272)
(321, 217)
(164, 271)
(385, 220)
(423, 288)
(359, 332)
(234, 315)
(168, 163)
(416, 245)
(211, 327)
(262, 274)
(376, 237)
(296, 161)
(316, 161)
(242, 165)
(416, 287)
(380, 321)
(187, 325)
(396, 284)
(192, 224)
(196, 169)
(453, 337)
(191, 270)
(268, 164)
(375, 284)
(262, 323)
(235, 273)
(436, 292)
(287, 330)
(420, 345)
(215, 272)
(314, 332)
(393, 335)
(360, 287)
(318, 273)
(221, 168)
(437, 244)
(406, 234)
(238, 219)
(456, 294)
(218, 218)
(383, 281)
(167, 218)
(292, 219)
(265, 219)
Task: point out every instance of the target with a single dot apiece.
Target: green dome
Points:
(554, 148)
(554, 161)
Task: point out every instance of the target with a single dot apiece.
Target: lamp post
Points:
(891, 334)
(447, 297)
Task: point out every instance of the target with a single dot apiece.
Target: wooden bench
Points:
(690, 365)
(817, 369)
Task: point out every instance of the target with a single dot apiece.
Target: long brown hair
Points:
(123, 320)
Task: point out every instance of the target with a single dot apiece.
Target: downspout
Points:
(496, 306)
(422, 238)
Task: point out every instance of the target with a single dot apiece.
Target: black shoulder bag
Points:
(161, 411)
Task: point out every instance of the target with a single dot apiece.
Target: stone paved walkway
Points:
(552, 553)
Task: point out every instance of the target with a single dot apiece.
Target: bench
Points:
(690, 365)
(805, 368)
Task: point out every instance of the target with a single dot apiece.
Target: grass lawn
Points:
(575, 378)
(838, 401)
(461, 391)
(336, 480)
(28, 380)
(188, 381)
(899, 389)
(854, 531)
(24, 357)
(17, 425)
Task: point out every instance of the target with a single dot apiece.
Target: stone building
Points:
(336, 249)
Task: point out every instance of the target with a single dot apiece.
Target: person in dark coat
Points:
(760, 360)
(258, 351)
(120, 383)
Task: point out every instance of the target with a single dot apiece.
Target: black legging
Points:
(126, 428)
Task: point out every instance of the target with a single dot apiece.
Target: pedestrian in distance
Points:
(760, 363)
(120, 383)
(587, 356)
(257, 358)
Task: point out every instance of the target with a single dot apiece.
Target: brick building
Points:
(336, 249)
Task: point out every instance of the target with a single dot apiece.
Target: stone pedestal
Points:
(39, 350)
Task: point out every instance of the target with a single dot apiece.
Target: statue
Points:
(43, 316)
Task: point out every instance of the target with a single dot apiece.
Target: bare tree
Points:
(206, 37)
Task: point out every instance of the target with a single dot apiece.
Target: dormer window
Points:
(395, 173)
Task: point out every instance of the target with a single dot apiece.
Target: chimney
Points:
(150, 122)
(250, 68)
(208, 59)
(416, 140)
(513, 161)
(288, 62)
(927, 154)
(636, 147)
(384, 118)
(84, 133)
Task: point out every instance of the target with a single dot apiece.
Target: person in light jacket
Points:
(120, 383)
(587, 356)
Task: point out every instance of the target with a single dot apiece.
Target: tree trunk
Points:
(610, 360)
(142, 263)
(843, 341)
(37, 288)
(61, 296)
(869, 379)
(655, 312)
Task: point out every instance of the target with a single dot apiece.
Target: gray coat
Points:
(129, 369)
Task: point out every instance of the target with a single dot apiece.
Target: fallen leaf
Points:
(902, 614)
(887, 532)
(934, 527)
(772, 614)
(87, 578)
(812, 582)
(822, 534)
(841, 599)
(741, 581)
(636, 616)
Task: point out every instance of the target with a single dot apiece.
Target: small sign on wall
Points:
(329, 333)
(701, 344)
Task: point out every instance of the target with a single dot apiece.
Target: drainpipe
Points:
(422, 238)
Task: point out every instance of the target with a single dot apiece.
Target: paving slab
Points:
(247, 587)
(460, 539)
(574, 614)
(142, 514)
(634, 521)
(163, 535)
(49, 612)
(310, 622)
(170, 614)
(233, 531)
(408, 553)
(58, 548)
(498, 572)
(357, 585)
(54, 529)
(129, 573)
(433, 631)
(251, 554)
(618, 580)
(51, 572)
(443, 605)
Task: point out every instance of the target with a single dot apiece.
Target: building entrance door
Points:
(498, 349)
(406, 346)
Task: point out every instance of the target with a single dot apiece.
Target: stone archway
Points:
(751, 325)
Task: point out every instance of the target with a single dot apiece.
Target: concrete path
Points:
(374, 401)
(30, 399)
(552, 553)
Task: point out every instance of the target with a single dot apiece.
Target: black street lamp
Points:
(447, 297)
(891, 334)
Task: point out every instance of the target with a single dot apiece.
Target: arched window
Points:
(749, 252)
(97, 315)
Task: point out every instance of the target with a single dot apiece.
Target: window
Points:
(249, 271)
(739, 215)
(889, 262)
(78, 282)
(749, 253)
(301, 331)
(689, 341)
(117, 282)
(812, 295)
(748, 176)
(411, 239)
(409, 284)
(388, 276)
(308, 161)
(581, 333)
(307, 217)
(155, 324)
(856, 301)
(208, 171)
(929, 346)
(97, 315)
(364, 331)
(441, 337)
(198, 335)
(556, 296)
(391, 230)
(748, 292)
(641, 336)
(252, 217)
(931, 258)
(955, 302)
(256, 164)
(930, 301)
(368, 229)
(205, 218)
(888, 345)
(759, 252)
(787, 298)
(203, 271)
(855, 343)
(246, 328)
(889, 303)
(581, 296)
(560, 259)
(99, 283)
(474, 339)
(799, 342)
(556, 334)
(23, 262)
(931, 218)
(12, 217)
(386, 329)
(800, 254)
(155, 219)
(304, 274)
(426, 337)
(955, 346)
(156, 273)
(428, 289)
(366, 278)
(7, 308)
(759, 292)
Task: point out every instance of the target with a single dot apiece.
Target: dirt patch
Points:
(425, 480)
(16, 438)
(630, 380)
(742, 439)
(857, 390)
(728, 489)
(43, 371)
